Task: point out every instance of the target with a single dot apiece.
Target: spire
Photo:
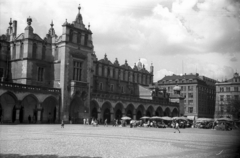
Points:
(88, 26)
(10, 23)
(52, 24)
(105, 56)
(79, 16)
(29, 21)
(79, 7)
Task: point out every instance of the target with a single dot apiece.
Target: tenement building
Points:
(199, 93)
(228, 98)
(60, 77)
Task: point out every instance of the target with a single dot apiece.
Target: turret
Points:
(151, 68)
(28, 30)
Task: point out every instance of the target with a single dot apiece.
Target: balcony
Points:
(27, 88)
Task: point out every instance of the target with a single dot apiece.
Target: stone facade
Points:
(199, 92)
(60, 77)
(227, 92)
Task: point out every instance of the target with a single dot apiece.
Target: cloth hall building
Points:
(60, 77)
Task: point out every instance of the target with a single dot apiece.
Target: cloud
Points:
(234, 59)
(161, 73)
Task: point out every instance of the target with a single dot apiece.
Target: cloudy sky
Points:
(177, 36)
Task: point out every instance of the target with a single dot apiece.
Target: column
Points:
(112, 116)
(17, 115)
(39, 115)
(134, 114)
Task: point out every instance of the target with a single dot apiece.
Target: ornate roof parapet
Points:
(78, 23)
(51, 31)
(116, 63)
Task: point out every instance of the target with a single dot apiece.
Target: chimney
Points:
(15, 28)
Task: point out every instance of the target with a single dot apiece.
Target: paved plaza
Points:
(115, 142)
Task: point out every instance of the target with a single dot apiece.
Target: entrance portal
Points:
(76, 111)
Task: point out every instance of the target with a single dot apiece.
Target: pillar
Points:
(17, 115)
(112, 116)
(39, 112)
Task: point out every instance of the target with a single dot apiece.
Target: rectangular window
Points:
(111, 88)
(228, 89)
(1, 72)
(100, 86)
(77, 70)
(190, 88)
(190, 109)
(190, 95)
(221, 97)
(236, 89)
(40, 73)
(221, 89)
(228, 98)
(190, 102)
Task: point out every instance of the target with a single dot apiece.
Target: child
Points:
(62, 125)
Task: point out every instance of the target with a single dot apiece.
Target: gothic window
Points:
(34, 52)
(40, 74)
(111, 88)
(77, 70)
(79, 38)
(100, 86)
(122, 89)
(21, 51)
(43, 52)
(70, 35)
(86, 40)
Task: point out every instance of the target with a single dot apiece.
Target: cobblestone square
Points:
(114, 142)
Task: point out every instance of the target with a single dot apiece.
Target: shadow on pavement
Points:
(41, 156)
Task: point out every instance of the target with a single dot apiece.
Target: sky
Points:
(176, 36)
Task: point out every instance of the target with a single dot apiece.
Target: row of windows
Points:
(125, 75)
(177, 81)
(112, 88)
(228, 97)
(79, 38)
(18, 53)
(229, 89)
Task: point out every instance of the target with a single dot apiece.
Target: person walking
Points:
(177, 126)
(105, 122)
(87, 122)
(62, 125)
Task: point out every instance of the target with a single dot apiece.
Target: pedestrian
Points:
(105, 122)
(84, 121)
(177, 126)
(62, 125)
(87, 123)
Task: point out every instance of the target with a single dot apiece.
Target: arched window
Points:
(71, 36)
(43, 52)
(86, 40)
(34, 51)
(21, 51)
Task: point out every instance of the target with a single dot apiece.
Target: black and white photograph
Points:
(120, 78)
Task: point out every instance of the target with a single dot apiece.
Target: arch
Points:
(130, 110)
(94, 107)
(28, 108)
(118, 110)
(140, 111)
(167, 112)
(34, 51)
(106, 111)
(174, 112)
(150, 111)
(77, 110)
(49, 110)
(159, 111)
(8, 107)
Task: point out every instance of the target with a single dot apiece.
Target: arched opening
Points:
(156, 113)
(139, 115)
(77, 111)
(118, 111)
(148, 114)
(94, 113)
(174, 112)
(107, 115)
(106, 111)
(8, 110)
(159, 111)
(29, 104)
(49, 110)
(167, 112)
(118, 114)
(130, 110)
